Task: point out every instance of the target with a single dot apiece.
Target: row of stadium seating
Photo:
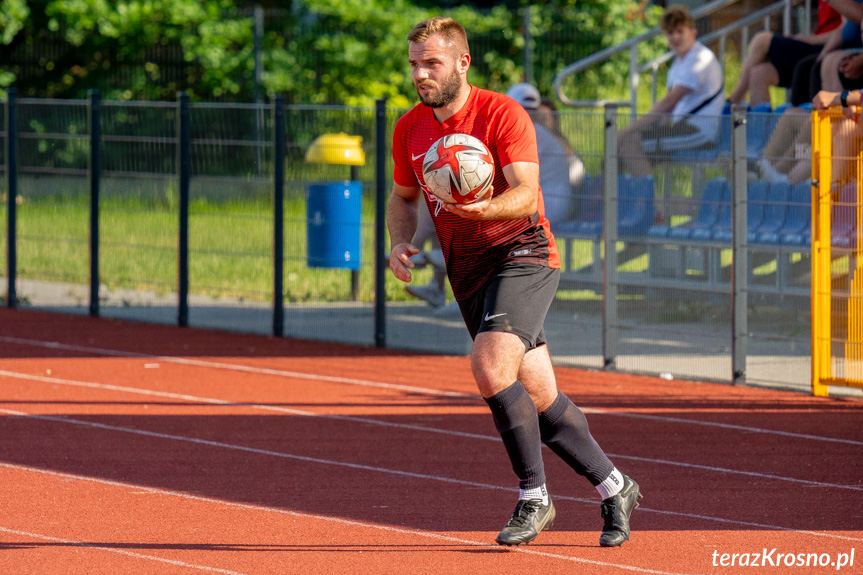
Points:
(778, 214)
(635, 208)
(760, 123)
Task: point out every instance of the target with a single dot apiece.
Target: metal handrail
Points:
(633, 43)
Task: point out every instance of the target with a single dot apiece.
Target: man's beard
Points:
(448, 92)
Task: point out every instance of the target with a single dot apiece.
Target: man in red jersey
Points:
(504, 269)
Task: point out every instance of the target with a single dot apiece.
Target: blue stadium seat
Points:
(797, 231)
(625, 187)
(723, 142)
(716, 195)
(775, 214)
(844, 225)
(755, 198)
(759, 124)
(635, 210)
(723, 219)
(590, 203)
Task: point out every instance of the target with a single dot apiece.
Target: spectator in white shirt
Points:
(687, 117)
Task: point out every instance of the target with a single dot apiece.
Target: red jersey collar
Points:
(458, 116)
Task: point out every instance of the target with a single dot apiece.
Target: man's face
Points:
(436, 71)
(680, 39)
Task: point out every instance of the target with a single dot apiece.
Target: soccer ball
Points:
(458, 169)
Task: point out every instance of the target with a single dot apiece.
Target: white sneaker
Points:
(430, 293)
(435, 258)
(450, 308)
(419, 260)
(771, 174)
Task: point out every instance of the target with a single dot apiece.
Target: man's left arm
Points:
(520, 201)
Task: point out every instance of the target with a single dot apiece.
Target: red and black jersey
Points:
(474, 249)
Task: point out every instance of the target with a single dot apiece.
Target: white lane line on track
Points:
(411, 389)
(114, 549)
(396, 472)
(339, 520)
(366, 420)
(746, 428)
(235, 367)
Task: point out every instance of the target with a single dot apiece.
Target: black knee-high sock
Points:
(564, 430)
(516, 420)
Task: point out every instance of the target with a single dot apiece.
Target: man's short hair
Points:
(449, 29)
(676, 16)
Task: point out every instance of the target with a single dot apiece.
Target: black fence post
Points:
(740, 259)
(355, 274)
(94, 169)
(380, 222)
(12, 195)
(278, 215)
(184, 175)
(610, 197)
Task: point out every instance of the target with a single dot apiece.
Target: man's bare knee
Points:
(495, 361)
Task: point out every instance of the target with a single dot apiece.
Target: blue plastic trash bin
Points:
(334, 211)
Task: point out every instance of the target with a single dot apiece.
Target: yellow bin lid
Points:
(336, 149)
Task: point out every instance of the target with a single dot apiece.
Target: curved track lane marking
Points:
(397, 472)
(339, 520)
(366, 420)
(113, 549)
(384, 385)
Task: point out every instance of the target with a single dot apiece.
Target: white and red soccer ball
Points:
(458, 169)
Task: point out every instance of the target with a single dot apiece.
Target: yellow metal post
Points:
(821, 272)
(854, 343)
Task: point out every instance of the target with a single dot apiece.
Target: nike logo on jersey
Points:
(491, 317)
(416, 157)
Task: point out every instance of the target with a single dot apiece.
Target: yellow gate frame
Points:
(831, 310)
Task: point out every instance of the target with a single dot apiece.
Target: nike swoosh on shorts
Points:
(490, 317)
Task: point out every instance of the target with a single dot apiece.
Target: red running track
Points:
(136, 448)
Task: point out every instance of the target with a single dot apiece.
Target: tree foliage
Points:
(314, 51)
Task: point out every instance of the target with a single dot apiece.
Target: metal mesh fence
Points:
(837, 247)
(52, 199)
(672, 279)
(138, 211)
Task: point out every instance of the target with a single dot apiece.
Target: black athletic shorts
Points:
(515, 299)
(784, 53)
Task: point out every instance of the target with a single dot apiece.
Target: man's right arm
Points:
(402, 224)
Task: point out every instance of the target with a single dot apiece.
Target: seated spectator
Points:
(771, 58)
(843, 69)
(787, 157)
(847, 133)
(848, 75)
(561, 171)
(810, 72)
(687, 117)
(433, 292)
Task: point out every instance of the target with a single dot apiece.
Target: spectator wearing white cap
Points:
(561, 171)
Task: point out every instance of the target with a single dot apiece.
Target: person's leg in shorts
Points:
(758, 72)
(685, 134)
(433, 292)
(513, 370)
(630, 149)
